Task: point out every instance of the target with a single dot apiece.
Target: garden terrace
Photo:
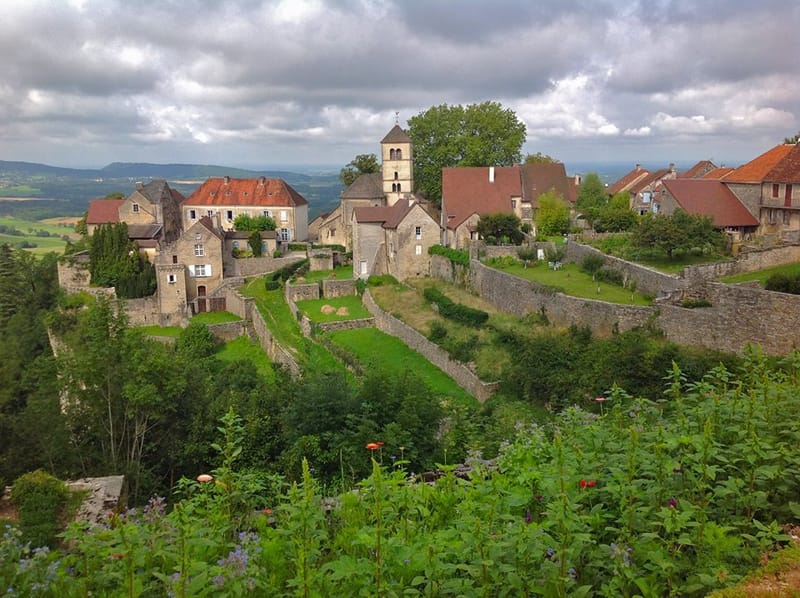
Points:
(333, 309)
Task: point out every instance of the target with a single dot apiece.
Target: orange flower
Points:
(204, 478)
(117, 555)
(267, 511)
(373, 446)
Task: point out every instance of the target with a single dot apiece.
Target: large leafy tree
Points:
(677, 232)
(483, 134)
(615, 216)
(501, 228)
(361, 164)
(553, 215)
(592, 195)
(247, 222)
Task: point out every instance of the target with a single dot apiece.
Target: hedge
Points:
(455, 311)
(456, 256)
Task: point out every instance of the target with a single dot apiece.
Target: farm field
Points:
(33, 233)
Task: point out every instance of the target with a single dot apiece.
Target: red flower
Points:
(584, 483)
(373, 446)
(591, 483)
(117, 555)
(267, 511)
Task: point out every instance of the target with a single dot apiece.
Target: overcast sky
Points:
(264, 83)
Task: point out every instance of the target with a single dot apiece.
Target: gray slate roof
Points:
(367, 186)
(396, 135)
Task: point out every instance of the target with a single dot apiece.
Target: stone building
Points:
(393, 240)
(395, 181)
(224, 198)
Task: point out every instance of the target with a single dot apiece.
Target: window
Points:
(202, 270)
(418, 232)
(283, 235)
(136, 208)
(363, 267)
(174, 259)
(229, 215)
(284, 216)
(646, 197)
(391, 154)
(398, 187)
(396, 176)
(198, 237)
(776, 188)
(199, 250)
(513, 204)
(236, 244)
(773, 216)
(171, 278)
(394, 187)
(210, 213)
(192, 215)
(788, 195)
(398, 154)
(266, 213)
(418, 249)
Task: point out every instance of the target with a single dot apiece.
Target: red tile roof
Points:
(718, 173)
(467, 191)
(757, 169)
(627, 181)
(541, 178)
(788, 169)
(225, 191)
(710, 198)
(104, 211)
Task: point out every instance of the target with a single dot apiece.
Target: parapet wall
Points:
(463, 376)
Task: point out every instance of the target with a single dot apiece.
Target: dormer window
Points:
(135, 208)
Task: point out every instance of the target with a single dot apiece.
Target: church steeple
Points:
(397, 161)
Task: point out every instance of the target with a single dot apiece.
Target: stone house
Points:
(708, 198)
(393, 240)
(189, 270)
(471, 192)
(642, 185)
(699, 170)
(395, 181)
(102, 211)
(224, 198)
(769, 186)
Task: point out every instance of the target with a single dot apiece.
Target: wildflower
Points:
(677, 470)
(673, 503)
(373, 446)
(118, 555)
(219, 581)
(591, 483)
(267, 511)
(204, 478)
(572, 573)
(550, 553)
(528, 516)
(583, 483)
(540, 497)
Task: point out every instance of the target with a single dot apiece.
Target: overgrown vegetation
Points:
(39, 499)
(455, 311)
(456, 256)
(115, 261)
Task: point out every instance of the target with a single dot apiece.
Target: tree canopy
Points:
(678, 232)
(114, 260)
(483, 134)
(540, 158)
(501, 228)
(361, 164)
(553, 215)
(257, 223)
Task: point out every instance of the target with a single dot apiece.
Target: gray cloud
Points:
(273, 81)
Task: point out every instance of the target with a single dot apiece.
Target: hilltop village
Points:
(382, 227)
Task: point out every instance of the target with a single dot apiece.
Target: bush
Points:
(382, 280)
(609, 275)
(456, 256)
(290, 270)
(527, 254)
(693, 303)
(455, 311)
(277, 253)
(505, 261)
(39, 499)
(297, 247)
(272, 285)
(784, 283)
(438, 332)
(592, 263)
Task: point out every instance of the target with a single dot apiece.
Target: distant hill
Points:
(133, 170)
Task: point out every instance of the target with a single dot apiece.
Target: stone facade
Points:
(338, 288)
(301, 291)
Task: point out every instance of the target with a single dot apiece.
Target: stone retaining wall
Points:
(227, 331)
(145, 312)
(346, 325)
(463, 376)
(338, 288)
(277, 353)
(746, 261)
(301, 292)
(256, 266)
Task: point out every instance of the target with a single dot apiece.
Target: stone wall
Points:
(74, 276)
(443, 269)
(648, 280)
(143, 312)
(746, 261)
(338, 288)
(346, 324)
(301, 292)
(256, 266)
(238, 304)
(463, 376)
(228, 331)
(320, 259)
(522, 297)
(273, 349)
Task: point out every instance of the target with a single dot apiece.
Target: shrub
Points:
(501, 262)
(277, 253)
(297, 246)
(455, 311)
(592, 263)
(438, 332)
(456, 256)
(272, 285)
(361, 286)
(39, 499)
(382, 280)
(609, 275)
(527, 254)
(693, 303)
(290, 270)
(784, 283)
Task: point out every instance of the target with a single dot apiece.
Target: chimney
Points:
(262, 180)
(139, 184)
(638, 167)
(672, 167)
(227, 179)
(577, 180)
(491, 174)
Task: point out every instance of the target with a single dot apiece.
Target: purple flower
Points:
(528, 516)
(673, 503)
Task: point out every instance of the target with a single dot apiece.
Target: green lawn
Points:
(373, 347)
(571, 280)
(762, 275)
(215, 317)
(352, 304)
(283, 325)
(170, 331)
(244, 348)
(340, 273)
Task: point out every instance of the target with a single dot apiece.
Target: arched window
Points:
(395, 175)
(394, 187)
(398, 187)
(398, 154)
(391, 154)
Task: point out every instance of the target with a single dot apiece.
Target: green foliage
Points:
(615, 216)
(382, 280)
(501, 229)
(196, 341)
(527, 254)
(592, 263)
(289, 270)
(694, 303)
(455, 311)
(361, 164)
(298, 247)
(553, 215)
(277, 253)
(540, 158)
(114, 260)
(592, 194)
(246, 222)
(272, 285)
(254, 242)
(474, 135)
(784, 282)
(679, 231)
(456, 256)
(39, 499)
